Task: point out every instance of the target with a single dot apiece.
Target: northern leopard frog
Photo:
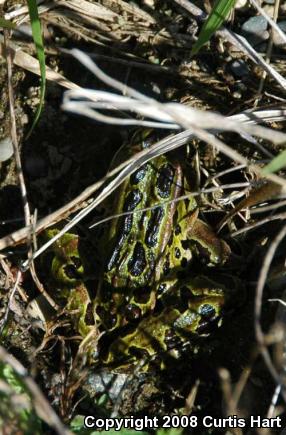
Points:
(154, 295)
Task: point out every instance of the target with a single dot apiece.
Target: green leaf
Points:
(215, 19)
(38, 41)
(275, 164)
(7, 24)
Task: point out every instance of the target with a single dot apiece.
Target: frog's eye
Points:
(207, 311)
(69, 271)
(209, 319)
(72, 270)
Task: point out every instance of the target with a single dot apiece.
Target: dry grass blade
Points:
(266, 208)
(135, 11)
(29, 63)
(165, 113)
(10, 299)
(181, 115)
(269, 50)
(22, 11)
(228, 397)
(87, 8)
(279, 216)
(14, 131)
(258, 116)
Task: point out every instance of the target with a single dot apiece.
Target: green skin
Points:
(68, 273)
(138, 283)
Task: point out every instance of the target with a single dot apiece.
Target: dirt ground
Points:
(148, 49)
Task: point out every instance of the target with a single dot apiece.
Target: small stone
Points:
(237, 95)
(105, 382)
(239, 68)
(277, 39)
(269, 10)
(195, 66)
(155, 88)
(35, 101)
(192, 28)
(240, 4)
(255, 30)
(6, 149)
(282, 9)
(24, 119)
(238, 90)
(149, 3)
(32, 91)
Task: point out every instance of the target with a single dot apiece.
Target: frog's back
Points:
(138, 240)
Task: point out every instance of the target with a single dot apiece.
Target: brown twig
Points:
(228, 397)
(14, 132)
(280, 216)
(268, 52)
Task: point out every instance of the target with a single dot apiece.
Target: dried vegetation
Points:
(232, 123)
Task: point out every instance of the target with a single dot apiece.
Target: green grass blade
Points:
(6, 24)
(215, 19)
(38, 41)
(275, 164)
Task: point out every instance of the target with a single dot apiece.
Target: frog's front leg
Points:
(203, 241)
(207, 244)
